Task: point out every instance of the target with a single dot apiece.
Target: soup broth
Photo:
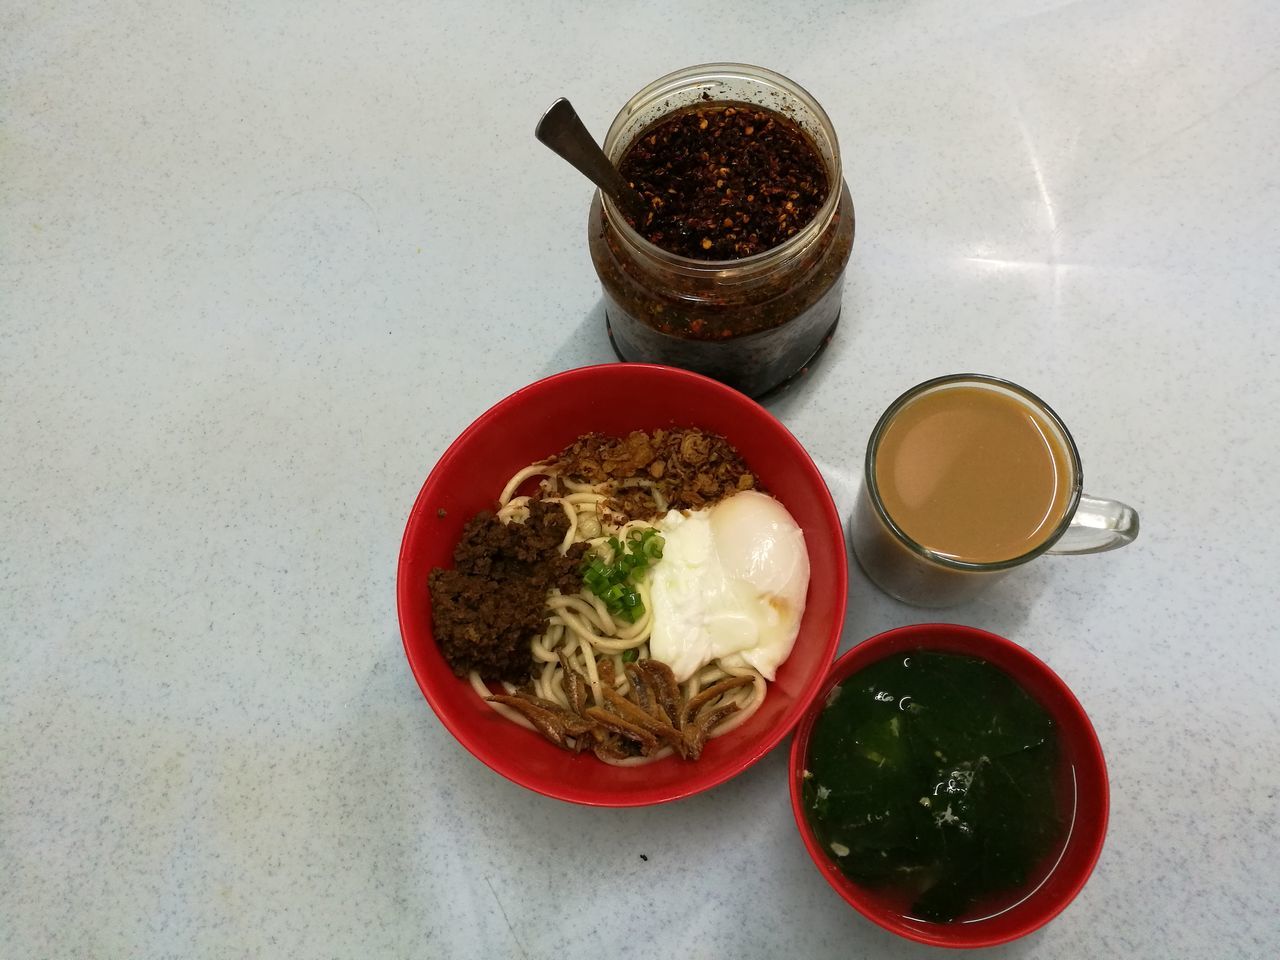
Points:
(936, 779)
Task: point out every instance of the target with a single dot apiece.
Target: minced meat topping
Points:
(493, 603)
(487, 610)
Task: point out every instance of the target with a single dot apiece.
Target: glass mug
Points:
(930, 574)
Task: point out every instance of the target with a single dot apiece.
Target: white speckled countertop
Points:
(261, 262)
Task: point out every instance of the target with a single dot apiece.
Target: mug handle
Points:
(1098, 526)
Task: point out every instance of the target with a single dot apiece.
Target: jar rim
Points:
(698, 75)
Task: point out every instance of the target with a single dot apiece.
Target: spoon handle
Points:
(563, 131)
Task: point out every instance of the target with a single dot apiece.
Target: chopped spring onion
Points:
(612, 581)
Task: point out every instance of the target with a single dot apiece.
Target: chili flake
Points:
(724, 180)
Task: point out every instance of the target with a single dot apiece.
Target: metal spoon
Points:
(563, 131)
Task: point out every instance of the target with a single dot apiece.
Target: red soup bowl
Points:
(537, 422)
(1083, 787)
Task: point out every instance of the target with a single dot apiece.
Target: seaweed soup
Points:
(936, 779)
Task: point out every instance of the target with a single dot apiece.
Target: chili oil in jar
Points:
(736, 267)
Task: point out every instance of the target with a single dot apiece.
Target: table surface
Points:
(261, 262)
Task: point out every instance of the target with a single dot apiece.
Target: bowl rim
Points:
(1090, 748)
(648, 796)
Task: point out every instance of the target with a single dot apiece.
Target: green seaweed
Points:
(934, 774)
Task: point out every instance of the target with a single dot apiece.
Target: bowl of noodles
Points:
(553, 555)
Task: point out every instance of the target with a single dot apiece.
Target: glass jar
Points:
(753, 323)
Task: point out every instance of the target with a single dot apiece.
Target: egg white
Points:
(731, 586)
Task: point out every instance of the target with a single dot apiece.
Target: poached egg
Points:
(731, 586)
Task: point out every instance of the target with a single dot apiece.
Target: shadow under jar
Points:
(755, 322)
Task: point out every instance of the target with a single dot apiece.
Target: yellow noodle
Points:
(552, 685)
(581, 499)
(533, 470)
(753, 698)
(661, 754)
(606, 622)
(577, 605)
(593, 674)
(501, 709)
